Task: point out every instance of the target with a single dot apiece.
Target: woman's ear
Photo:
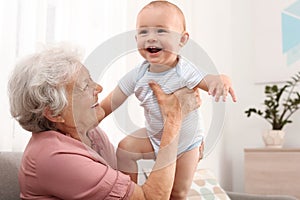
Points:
(184, 38)
(49, 115)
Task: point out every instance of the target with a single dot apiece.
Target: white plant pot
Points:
(273, 138)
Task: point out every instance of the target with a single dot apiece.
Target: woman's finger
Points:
(158, 92)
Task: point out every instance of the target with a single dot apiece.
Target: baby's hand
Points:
(220, 85)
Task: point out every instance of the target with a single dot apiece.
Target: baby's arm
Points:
(113, 101)
(217, 86)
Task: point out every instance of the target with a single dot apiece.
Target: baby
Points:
(161, 33)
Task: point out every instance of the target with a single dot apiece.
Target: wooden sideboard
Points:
(272, 171)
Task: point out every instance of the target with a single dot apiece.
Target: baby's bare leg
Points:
(185, 169)
(131, 149)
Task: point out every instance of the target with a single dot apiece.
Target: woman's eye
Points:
(85, 87)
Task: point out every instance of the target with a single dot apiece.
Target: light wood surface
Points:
(272, 171)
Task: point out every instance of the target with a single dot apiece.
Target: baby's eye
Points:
(143, 32)
(161, 30)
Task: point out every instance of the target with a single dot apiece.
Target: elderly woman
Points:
(53, 96)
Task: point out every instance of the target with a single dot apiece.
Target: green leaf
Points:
(280, 104)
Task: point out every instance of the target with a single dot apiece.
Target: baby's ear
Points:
(184, 38)
(49, 115)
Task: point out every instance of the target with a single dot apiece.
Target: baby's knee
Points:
(179, 193)
(125, 150)
(125, 144)
(122, 149)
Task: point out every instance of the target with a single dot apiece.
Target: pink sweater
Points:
(55, 166)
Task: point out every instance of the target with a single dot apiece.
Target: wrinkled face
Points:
(159, 34)
(83, 111)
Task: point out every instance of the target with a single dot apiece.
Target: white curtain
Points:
(27, 24)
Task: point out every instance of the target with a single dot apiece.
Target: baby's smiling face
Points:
(159, 35)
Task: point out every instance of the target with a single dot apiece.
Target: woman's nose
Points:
(98, 89)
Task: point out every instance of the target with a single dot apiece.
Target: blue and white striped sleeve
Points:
(191, 74)
(128, 82)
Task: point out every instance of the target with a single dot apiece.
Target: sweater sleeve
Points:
(55, 166)
(77, 176)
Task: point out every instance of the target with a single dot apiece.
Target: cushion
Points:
(206, 187)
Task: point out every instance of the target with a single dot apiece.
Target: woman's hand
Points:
(188, 99)
(179, 104)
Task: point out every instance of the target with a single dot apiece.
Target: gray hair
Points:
(37, 82)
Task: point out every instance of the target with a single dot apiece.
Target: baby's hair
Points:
(170, 5)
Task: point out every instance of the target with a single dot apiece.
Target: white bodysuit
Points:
(184, 74)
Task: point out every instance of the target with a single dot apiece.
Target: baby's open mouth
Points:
(153, 49)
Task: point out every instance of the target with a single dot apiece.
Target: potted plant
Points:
(279, 105)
